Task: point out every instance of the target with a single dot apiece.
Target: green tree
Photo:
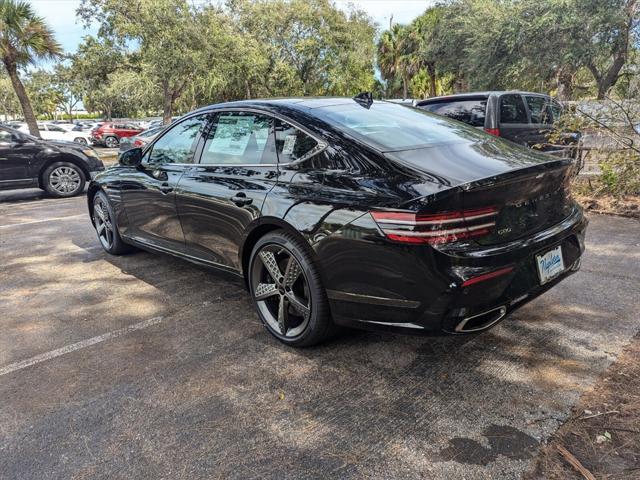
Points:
(43, 94)
(398, 56)
(426, 49)
(170, 36)
(8, 100)
(307, 47)
(69, 86)
(24, 39)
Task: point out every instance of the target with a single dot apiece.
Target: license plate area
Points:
(550, 264)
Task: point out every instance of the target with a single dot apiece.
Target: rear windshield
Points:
(390, 127)
(469, 111)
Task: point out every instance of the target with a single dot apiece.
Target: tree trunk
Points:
(564, 81)
(431, 71)
(21, 93)
(405, 89)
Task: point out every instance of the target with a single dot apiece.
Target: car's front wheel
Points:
(106, 226)
(63, 179)
(287, 291)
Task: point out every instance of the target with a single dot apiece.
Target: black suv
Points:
(523, 117)
(60, 168)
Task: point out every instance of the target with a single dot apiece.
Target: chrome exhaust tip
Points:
(481, 321)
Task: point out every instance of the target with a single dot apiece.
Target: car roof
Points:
(485, 94)
(297, 103)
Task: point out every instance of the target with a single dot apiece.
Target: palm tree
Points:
(24, 38)
(394, 56)
(424, 31)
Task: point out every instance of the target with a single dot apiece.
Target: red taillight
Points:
(436, 228)
(138, 143)
(493, 131)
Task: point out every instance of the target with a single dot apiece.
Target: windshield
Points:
(391, 127)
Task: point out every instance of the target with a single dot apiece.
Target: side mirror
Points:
(131, 158)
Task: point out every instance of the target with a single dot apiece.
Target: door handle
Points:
(165, 188)
(241, 199)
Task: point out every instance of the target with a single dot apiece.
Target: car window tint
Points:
(540, 109)
(55, 128)
(179, 143)
(467, 111)
(292, 143)
(512, 109)
(237, 138)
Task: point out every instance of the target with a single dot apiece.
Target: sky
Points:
(61, 15)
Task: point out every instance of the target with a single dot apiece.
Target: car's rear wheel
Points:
(63, 179)
(287, 291)
(106, 226)
(111, 142)
(81, 141)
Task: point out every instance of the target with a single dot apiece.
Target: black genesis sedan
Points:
(343, 211)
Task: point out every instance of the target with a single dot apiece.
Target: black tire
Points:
(111, 142)
(314, 327)
(109, 236)
(81, 141)
(63, 179)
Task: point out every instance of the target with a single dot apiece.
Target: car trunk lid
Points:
(528, 191)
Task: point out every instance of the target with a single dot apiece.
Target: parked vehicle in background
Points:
(525, 118)
(49, 131)
(75, 127)
(345, 211)
(110, 133)
(60, 168)
(407, 102)
(140, 140)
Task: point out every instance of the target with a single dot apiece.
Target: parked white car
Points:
(50, 131)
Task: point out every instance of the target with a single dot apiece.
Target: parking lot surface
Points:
(145, 366)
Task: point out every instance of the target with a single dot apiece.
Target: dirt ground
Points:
(603, 433)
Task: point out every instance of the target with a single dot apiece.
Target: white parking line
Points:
(45, 220)
(77, 346)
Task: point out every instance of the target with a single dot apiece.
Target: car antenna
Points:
(364, 99)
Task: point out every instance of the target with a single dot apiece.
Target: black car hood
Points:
(458, 163)
(65, 145)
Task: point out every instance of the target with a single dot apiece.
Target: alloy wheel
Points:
(111, 142)
(65, 180)
(281, 290)
(102, 221)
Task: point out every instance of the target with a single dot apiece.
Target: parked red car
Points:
(109, 134)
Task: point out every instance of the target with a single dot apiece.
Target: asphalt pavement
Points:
(145, 366)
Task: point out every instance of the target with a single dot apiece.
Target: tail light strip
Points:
(439, 233)
(437, 228)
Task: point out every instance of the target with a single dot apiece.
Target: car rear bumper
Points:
(426, 294)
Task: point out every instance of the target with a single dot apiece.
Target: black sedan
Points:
(349, 212)
(59, 168)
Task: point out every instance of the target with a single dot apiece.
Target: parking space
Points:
(145, 366)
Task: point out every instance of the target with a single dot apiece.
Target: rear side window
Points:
(179, 143)
(391, 127)
(512, 109)
(240, 138)
(471, 111)
(540, 109)
(291, 143)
